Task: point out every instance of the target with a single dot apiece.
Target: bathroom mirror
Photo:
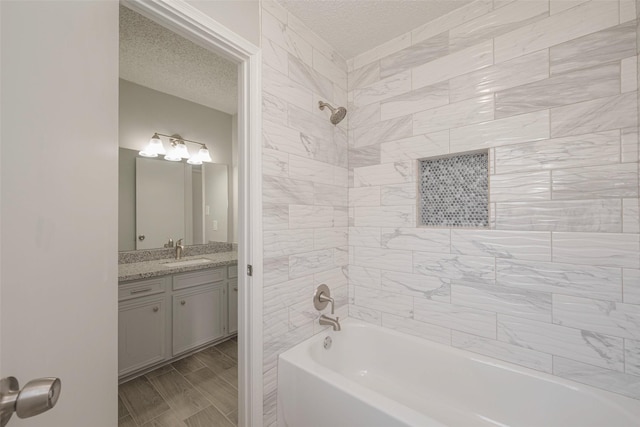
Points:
(161, 200)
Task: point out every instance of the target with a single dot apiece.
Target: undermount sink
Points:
(187, 263)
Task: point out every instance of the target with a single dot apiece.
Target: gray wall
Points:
(143, 111)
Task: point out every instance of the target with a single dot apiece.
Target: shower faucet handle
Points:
(322, 298)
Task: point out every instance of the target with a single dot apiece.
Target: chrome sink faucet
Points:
(179, 249)
(321, 299)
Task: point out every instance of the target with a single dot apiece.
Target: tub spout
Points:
(326, 320)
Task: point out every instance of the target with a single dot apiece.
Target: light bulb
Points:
(204, 155)
(173, 155)
(157, 145)
(181, 150)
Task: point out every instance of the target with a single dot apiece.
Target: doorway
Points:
(245, 208)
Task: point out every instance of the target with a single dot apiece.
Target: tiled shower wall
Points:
(550, 88)
(304, 185)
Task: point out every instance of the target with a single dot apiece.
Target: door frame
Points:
(191, 23)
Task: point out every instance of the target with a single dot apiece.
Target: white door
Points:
(160, 184)
(58, 179)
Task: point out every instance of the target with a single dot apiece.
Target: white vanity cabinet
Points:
(167, 316)
(142, 324)
(199, 309)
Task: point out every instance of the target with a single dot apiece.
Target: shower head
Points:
(337, 114)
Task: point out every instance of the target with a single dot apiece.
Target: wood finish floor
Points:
(200, 390)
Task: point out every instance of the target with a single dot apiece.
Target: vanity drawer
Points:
(233, 271)
(141, 288)
(187, 280)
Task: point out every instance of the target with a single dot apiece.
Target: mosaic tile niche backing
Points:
(454, 191)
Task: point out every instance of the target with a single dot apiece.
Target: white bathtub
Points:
(371, 376)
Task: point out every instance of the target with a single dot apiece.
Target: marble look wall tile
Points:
(364, 156)
(518, 71)
(458, 318)
(510, 130)
(275, 163)
(311, 262)
(632, 357)
(627, 10)
(617, 382)
(306, 169)
(287, 242)
(503, 351)
(630, 216)
(415, 147)
(416, 285)
(364, 76)
(275, 270)
(385, 49)
(364, 277)
(275, 56)
(417, 100)
(386, 302)
(365, 314)
(280, 137)
(557, 6)
(384, 131)
(274, 109)
(275, 217)
(386, 173)
(562, 89)
(281, 34)
(281, 343)
(455, 267)
(284, 294)
(566, 279)
(309, 216)
(365, 237)
(568, 25)
(619, 180)
(307, 77)
(386, 88)
(317, 42)
(631, 285)
(385, 216)
(335, 278)
(279, 85)
(398, 194)
(585, 346)
(502, 299)
(330, 195)
(301, 315)
(605, 317)
(417, 239)
(330, 68)
(532, 245)
(454, 115)
(364, 196)
(452, 19)
(573, 151)
(419, 329)
(571, 215)
(277, 324)
(629, 74)
(417, 54)
(276, 9)
(277, 190)
(497, 22)
(630, 150)
(366, 115)
(620, 111)
(518, 187)
(324, 238)
(610, 44)
(387, 259)
(311, 123)
(340, 217)
(453, 65)
(605, 249)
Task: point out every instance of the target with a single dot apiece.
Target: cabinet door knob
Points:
(183, 302)
(155, 309)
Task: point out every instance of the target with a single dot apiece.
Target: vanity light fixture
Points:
(178, 150)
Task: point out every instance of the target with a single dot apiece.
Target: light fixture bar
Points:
(179, 138)
(178, 149)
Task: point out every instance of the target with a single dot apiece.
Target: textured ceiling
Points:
(356, 26)
(152, 56)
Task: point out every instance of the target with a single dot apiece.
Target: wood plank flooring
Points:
(200, 390)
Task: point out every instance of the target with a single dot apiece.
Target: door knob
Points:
(36, 397)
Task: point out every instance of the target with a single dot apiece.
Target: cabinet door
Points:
(198, 316)
(232, 308)
(141, 333)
